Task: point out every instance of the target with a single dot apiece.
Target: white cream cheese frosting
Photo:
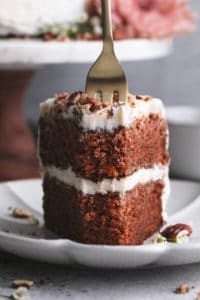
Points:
(123, 114)
(122, 185)
(28, 16)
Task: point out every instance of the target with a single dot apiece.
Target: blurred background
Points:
(175, 79)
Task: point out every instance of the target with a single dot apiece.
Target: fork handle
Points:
(107, 24)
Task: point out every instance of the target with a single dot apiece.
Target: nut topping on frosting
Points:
(62, 96)
(144, 98)
(82, 99)
(92, 114)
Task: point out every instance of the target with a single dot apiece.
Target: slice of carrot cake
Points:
(105, 168)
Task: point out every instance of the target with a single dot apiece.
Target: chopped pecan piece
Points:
(182, 289)
(177, 233)
(21, 213)
(22, 283)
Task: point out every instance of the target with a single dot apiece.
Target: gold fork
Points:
(106, 77)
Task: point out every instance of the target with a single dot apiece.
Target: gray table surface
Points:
(64, 282)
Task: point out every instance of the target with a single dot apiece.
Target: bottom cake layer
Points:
(111, 219)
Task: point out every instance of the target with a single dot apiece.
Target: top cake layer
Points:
(93, 115)
(98, 140)
(28, 16)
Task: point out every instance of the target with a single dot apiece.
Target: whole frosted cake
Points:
(105, 168)
(81, 19)
(27, 17)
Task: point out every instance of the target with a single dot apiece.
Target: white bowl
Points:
(184, 127)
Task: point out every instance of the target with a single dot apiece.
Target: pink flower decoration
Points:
(147, 18)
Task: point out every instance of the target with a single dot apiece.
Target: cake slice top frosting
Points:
(28, 16)
(92, 114)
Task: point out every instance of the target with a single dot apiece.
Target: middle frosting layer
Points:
(142, 176)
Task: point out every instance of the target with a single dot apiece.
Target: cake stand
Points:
(18, 60)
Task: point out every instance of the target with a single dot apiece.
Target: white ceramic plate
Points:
(34, 52)
(33, 241)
